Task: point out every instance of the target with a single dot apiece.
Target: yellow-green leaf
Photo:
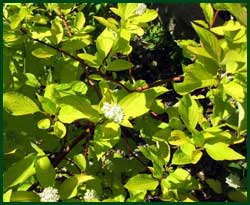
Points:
(43, 124)
(178, 137)
(221, 151)
(215, 185)
(44, 52)
(141, 182)
(59, 129)
(68, 189)
(119, 65)
(18, 104)
(25, 196)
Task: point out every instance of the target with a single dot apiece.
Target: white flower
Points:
(49, 194)
(113, 112)
(90, 194)
(141, 8)
(233, 181)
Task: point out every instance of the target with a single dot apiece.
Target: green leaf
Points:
(47, 105)
(215, 185)
(180, 158)
(32, 80)
(126, 10)
(57, 30)
(24, 196)
(122, 45)
(147, 16)
(151, 153)
(108, 23)
(76, 44)
(159, 155)
(137, 196)
(242, 116)
(68, 189)
(75, 108)
(141, 182)
(95, 77)
(57, 91)
(79, 87)
(7, 195)
(235, 90)
(104, 43)
(237, 196)
(40, 32)
(40, 19)
(186, 155)
(89, 59)
(80, 160)
(189, 111)
(19, 172)
(136, 104)
(18, 104)
(59, 129)
(181, 179)
(178, 138)
(209, 41)
(236, 9)
(79, 20)
(106, 136)
(16, 19)
(197, 75)
(44, 52)
(119, 65)
(45, 172)
(43, 124)
(198, 52)
(38, 149)
(208, 11)
(220, 151)
(202, 23)
(126, 123)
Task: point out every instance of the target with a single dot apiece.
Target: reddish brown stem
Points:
(131, 152)
(66, 150)
(66, 26)
(140, 89)
(214, 19)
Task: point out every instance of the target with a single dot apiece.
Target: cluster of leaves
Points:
(55, 85)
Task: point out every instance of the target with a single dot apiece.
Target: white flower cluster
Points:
(90, 194)
(233, 181)
(113, 112)
(49, 194)
(141, 8)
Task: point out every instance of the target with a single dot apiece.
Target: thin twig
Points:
(91, 83)
(160, 82)
(214, 19)
(64, 22)
(60, 156)
(131, 152)
(66, 150)
(139, 89)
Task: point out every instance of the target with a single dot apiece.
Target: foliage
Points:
(74, 125)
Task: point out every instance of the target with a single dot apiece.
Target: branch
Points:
(131, 152)
(214, 19)
(64, 22)
(160, 82)
(60, 156)
(139, 89)
(66, 150)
